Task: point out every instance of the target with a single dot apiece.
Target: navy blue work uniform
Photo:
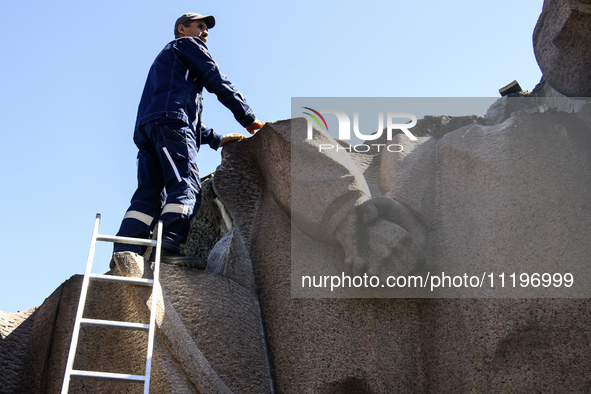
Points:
(168, 134)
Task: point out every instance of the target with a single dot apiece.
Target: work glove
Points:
(256, 125)
(230, 138)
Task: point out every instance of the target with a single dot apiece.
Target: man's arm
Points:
(195, 56)
(210, 137)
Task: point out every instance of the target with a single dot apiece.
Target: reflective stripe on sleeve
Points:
(175, 208)
(142, 217)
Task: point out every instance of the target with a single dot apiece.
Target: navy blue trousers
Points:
(169, 187)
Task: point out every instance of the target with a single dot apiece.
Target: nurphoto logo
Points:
(344, 129)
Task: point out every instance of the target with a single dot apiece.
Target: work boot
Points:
(168, 256)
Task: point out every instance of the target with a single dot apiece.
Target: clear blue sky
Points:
(72, 73)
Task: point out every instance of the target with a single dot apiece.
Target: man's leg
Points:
(146, 201)
(177, 151)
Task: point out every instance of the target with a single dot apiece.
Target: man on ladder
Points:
(168, 133)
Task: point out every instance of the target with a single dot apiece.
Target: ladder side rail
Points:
(155, 294)
(80, 311)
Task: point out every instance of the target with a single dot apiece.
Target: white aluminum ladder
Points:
(81, 321)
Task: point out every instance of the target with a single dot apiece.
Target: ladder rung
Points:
(126, 240)
(122, 279)
(107, 376)
(114, 324)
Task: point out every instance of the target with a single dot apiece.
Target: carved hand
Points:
(381, 238)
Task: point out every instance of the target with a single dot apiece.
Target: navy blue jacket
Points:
(175, 85)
